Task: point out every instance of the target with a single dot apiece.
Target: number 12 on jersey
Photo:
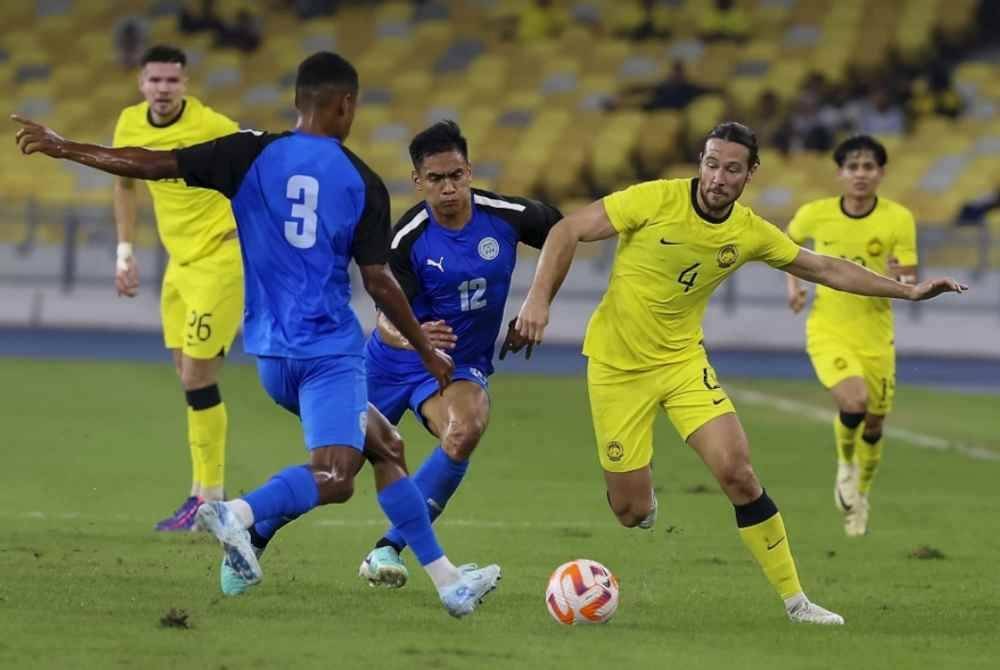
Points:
(471, 293)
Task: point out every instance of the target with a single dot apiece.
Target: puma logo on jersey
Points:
(439, 264)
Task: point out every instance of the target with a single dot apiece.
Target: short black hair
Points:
(442, 136)
(163, 53)
(860, 143)
(731, 131)
(324, 70)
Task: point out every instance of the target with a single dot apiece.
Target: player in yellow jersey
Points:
(850, 338)
(201, 302)
(677, 241)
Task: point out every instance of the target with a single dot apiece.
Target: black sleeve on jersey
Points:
(532, 224)
(371, 236)
(222, 163)
(401, 249)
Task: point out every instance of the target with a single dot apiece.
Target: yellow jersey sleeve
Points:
(772, 246)
(801, 229)
(632, 208)
(905, 248)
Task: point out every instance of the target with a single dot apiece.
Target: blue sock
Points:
(262, 531)
(438, 478)
(407, 512)
(290, 493)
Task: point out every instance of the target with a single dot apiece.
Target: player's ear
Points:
(415, 176)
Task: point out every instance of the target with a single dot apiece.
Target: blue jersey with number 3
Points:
(462, 276)
(304, 206)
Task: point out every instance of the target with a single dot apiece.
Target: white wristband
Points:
(123, 253)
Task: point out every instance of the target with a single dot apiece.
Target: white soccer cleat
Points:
(845, 488)
(801, 610)
(856, 522)
(216, 518)
(650, 519)
(462, 597)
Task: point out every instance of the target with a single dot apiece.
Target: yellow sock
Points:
(768, 543)
(208, 442)
(845, 439)
(869, 457)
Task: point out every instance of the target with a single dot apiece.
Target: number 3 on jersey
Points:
(477, 288)
(303, 191)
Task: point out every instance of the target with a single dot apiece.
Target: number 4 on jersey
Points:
(687, 277)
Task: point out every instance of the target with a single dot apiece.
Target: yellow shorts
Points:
(201, 303)
(623, 404)
(834, 362)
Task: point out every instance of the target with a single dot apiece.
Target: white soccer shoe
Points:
(845, 488)
(215, 517)
(856, 522)
(462, 597)
(801, 610)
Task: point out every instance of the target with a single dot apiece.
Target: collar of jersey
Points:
(302, 133)
(857, 216)
(149, 116)
(450, 231)
(708, 218)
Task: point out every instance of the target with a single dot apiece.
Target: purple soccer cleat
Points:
(182, 520)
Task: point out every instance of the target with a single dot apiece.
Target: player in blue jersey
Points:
(453, 254)
(304, 207)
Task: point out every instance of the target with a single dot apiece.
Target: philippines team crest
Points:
(727, 256)
(489, 248)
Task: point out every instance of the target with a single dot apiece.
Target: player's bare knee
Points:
(196, 376)
(462, 437)
(334, 487)
(739, 481)
(855, 404)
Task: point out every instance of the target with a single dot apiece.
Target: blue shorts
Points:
(394, 395)
(328, 394)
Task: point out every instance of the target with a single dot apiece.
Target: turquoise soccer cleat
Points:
(383, 567)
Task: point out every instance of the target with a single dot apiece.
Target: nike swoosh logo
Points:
(843, 503)
(719, 401)
(663, 241)
(772, 546)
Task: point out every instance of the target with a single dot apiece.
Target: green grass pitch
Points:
(94, 454)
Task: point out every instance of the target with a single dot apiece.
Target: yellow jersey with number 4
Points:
(192, 222)
(869, 240)
(671, 257)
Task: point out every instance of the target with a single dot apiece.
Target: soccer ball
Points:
(582, 591)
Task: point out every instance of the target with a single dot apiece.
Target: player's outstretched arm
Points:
(438, 332)
(797, 294)
(390, 299)
(586, 225)
(125, 162)
(846, 276)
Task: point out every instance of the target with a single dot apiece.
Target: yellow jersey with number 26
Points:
(192, 222)
(671, 256)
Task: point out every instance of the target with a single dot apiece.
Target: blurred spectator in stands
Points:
(725, 21)
(310, 9)
(243, 34)
(987, 26)
(675, 92)
(191, 21)
(130, 41)
(816, 116)
(769, 122)
(647, 28)
(973, 212)
(879, 114)
(935, 94)
(540, 20)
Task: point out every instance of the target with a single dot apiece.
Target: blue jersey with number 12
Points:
(461, 276)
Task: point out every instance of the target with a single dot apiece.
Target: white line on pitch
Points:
(824, 416)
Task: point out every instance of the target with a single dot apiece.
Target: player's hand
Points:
(441, 367)
(34, 137)
(126, 272)
(514, 342)
(932, 288)
(797, 299)
(439, 334)
(532, 319)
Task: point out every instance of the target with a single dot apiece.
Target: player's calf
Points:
(634, 511)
